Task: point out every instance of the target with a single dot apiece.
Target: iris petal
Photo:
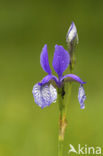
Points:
(61, 60)
(72, 77)
(44, 60)
(81, 97)
(47, 78)
(44, 95)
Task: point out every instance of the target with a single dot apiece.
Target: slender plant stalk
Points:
(62, 122)
(68, 98)
(69, 86)
(62, 127)
(60, 148)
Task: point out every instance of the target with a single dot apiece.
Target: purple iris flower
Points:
(44, 92)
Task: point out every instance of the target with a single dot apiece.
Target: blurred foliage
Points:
(25, 26)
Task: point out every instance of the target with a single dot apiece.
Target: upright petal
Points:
(81, 97)
(44, 95)
(44, 60)
(72, 77)
(61, 60)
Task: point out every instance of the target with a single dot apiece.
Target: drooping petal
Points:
(81, 97)
(44, 60)
(44, 95)
(47, 78)
(72, 77)
(61, 60)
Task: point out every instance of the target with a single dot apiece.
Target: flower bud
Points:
(72, 36)
(72, 41)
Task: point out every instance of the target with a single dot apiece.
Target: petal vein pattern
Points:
(44, 95)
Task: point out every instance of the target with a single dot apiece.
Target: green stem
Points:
(62, 122)
(68, 97)
(60, 148)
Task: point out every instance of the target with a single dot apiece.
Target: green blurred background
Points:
(25, 26)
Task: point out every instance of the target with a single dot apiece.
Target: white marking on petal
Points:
(45, 91)
(37, 94)
(44, 95)
(53, 94)
(81, 97)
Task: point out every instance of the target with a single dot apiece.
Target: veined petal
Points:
(47, 78)
(44, 95)
(72, 77)
(81, 97)
(44, 60)
(61, 60)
